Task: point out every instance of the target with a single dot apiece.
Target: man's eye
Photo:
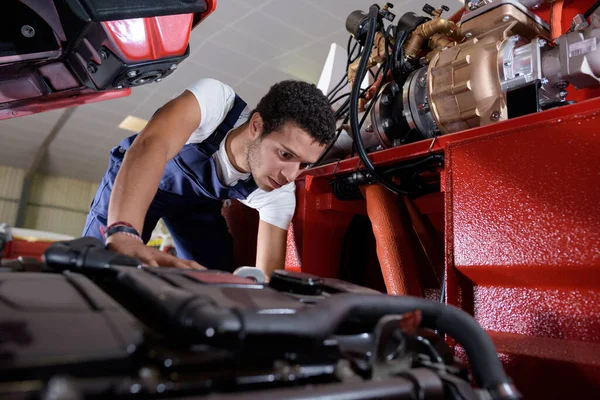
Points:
(285, 155)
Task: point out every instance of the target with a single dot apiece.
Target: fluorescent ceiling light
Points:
(133, 124)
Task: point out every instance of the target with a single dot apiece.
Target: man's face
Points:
(278, 158)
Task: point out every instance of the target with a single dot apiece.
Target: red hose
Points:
(556, 18)
(392, 229)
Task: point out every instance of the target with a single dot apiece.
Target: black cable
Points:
(346, 115)
(330, 145)
(389, 57)
(334, 93)
(339, 98)
(354, 124)
(591, 10)
(345, 77)
(423, 161)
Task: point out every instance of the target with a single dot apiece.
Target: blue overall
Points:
(189, 199)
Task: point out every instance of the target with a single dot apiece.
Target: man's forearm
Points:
(270, 248)
(137, 182)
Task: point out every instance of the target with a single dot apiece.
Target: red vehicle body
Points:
(95, 56)
(514, 231)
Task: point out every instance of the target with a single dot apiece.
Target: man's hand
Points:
(147, 255)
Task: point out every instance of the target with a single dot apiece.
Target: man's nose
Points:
(291, 173)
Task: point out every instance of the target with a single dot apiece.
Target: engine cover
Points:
(96, 324)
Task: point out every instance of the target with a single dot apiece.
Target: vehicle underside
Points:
(449, 236)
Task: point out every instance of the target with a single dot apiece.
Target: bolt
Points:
(561, 85)
(423, 108)
(495, 116)
(27, 31)
(422, 82)
(507, 63)
(536, 6)
(131, 74)
(120, 87)
(135, 388)
(92, 68)
(544, 81)
(385, 99)
(387, 123)
(102, 54)
(542, 43)
(474, 4)
(173, 67)
(159, 80)
(563, 93)
(468, 34)
(506, 18)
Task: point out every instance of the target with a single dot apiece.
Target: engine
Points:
(90, 323)
(436, 77)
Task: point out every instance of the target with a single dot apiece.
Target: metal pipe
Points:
(427, 30)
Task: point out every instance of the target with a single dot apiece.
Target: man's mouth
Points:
(274, 183)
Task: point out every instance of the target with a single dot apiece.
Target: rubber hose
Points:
(318, 323)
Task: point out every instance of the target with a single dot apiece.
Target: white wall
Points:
(56, 204)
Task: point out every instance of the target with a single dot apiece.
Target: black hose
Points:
(402, 167)
(319, 323)
(354, 124)
(591, 10)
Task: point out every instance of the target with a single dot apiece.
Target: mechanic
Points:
(199, 149)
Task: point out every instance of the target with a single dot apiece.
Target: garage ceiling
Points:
(247, 44)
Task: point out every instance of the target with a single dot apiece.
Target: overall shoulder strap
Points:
(211, 144)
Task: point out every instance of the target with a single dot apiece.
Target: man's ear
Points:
(256, 126)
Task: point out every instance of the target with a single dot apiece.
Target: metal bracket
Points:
(389, 346)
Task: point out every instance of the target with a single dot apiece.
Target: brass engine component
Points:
(437, 27)
(377, 55)
(464, 87)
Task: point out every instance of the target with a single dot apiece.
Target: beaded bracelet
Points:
(122, 227)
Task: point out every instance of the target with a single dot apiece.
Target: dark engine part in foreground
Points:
(99, 326)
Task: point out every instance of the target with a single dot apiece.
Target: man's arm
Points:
(139, 176)
(270, 248)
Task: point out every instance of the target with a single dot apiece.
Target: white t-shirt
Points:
(216, 100)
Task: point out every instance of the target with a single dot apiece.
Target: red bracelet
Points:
(119, 223)
(103, 230)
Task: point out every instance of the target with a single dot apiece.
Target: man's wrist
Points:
(122, 228)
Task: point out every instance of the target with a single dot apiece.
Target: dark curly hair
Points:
(300, 103)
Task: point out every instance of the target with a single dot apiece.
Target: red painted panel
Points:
(141, 39)
(523, 230)
(25, 248)
(62, 100)
(322, 230)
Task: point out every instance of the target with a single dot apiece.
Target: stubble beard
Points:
(253, 161)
